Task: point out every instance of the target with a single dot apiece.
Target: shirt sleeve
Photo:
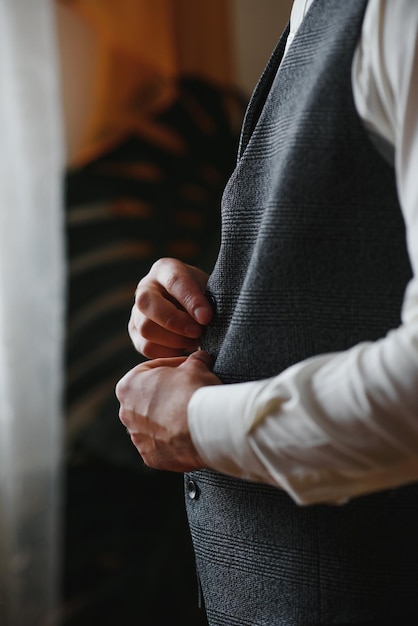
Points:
(345, 424)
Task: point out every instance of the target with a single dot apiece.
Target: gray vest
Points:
(312, 260)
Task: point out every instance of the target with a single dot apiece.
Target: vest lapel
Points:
(261, 92)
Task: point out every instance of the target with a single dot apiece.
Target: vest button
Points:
(211, 301)
(192, 490)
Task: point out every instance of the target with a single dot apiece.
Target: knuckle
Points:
(163, 263)
(132, 331)
(145, 327)
(157, 265)
(170, 323)
(174, 279)
(143, 299)
(121, 389)
(175, 271)
(141, 346)
(122, 416)
(148, 349)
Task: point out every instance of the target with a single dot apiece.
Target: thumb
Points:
(200, 358)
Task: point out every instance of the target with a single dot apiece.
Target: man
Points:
(311, 318)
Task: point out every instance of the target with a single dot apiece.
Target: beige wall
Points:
(257, 27)
(78, 48)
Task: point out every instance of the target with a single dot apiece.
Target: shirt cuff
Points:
(219, 422)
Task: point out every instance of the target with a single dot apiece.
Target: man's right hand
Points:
(170, 310)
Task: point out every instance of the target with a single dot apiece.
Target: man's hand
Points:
(154, 398)
(170, 310)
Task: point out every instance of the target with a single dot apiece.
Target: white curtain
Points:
(31, 312)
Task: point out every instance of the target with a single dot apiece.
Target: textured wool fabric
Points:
(312, 260)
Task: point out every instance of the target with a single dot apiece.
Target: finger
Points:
(155, 305)
(200, 358)
(160, 343)
(161, 362)
(154, 333)
(186, 285)
(154, 351)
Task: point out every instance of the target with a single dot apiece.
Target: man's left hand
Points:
(153, 400)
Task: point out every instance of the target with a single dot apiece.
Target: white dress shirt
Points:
(344, 424)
